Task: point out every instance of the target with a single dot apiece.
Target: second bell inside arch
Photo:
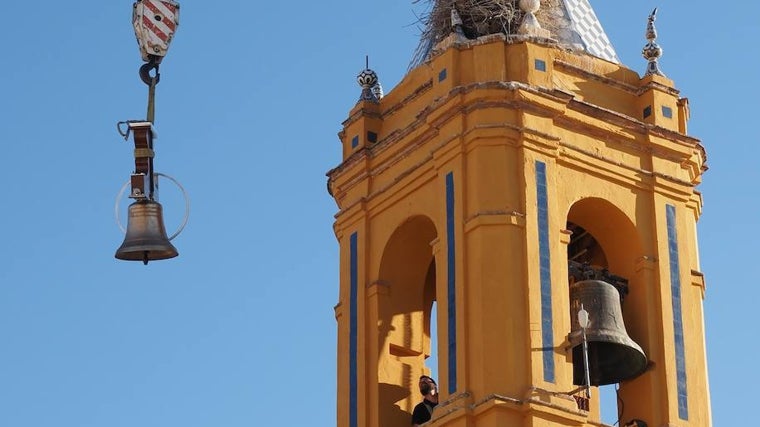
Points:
(612, 355)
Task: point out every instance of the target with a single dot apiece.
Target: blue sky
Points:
(239, 330)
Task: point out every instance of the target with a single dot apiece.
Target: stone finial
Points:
(652, 51)
(530, 25)
(456, 22)
(368, 81)
(377, 89)
(530, 6)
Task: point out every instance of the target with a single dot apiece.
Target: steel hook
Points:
(145, 73)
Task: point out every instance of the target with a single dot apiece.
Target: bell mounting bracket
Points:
(142, 180)
(583, 271)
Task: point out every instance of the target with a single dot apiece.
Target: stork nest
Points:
(481, 18)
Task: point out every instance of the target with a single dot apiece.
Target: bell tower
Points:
(519, 173)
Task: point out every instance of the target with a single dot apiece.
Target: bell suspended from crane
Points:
(155, 22)
(146, 238)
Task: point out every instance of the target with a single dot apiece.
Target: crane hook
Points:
(145, 70)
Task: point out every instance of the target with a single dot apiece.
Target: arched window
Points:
(604, 240)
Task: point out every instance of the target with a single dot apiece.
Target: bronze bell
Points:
(146, 238)
(612, 355)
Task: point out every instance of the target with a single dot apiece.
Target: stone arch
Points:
(606, 237)
(408, 276)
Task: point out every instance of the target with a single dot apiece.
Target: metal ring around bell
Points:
(181, 188)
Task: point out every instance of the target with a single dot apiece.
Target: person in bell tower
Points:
(423, 412)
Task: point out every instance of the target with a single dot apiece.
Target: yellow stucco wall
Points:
(453, 174)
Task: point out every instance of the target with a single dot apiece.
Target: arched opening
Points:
(406, 319)
(431, 362)
(430, 325)
(584, 249)
(603, 245)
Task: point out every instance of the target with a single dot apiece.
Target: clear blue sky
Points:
(239, 330)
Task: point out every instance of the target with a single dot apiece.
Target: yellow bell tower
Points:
(513, 163)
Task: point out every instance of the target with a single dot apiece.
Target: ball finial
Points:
(530, 6)
(530, 26)
(370, 84)
(367, 78)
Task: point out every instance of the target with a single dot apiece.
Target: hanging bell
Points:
(612, 355)
(146, 238)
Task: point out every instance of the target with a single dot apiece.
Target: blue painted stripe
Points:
(451, 272)
(547, 326)
(675, 290)
(353, 419)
